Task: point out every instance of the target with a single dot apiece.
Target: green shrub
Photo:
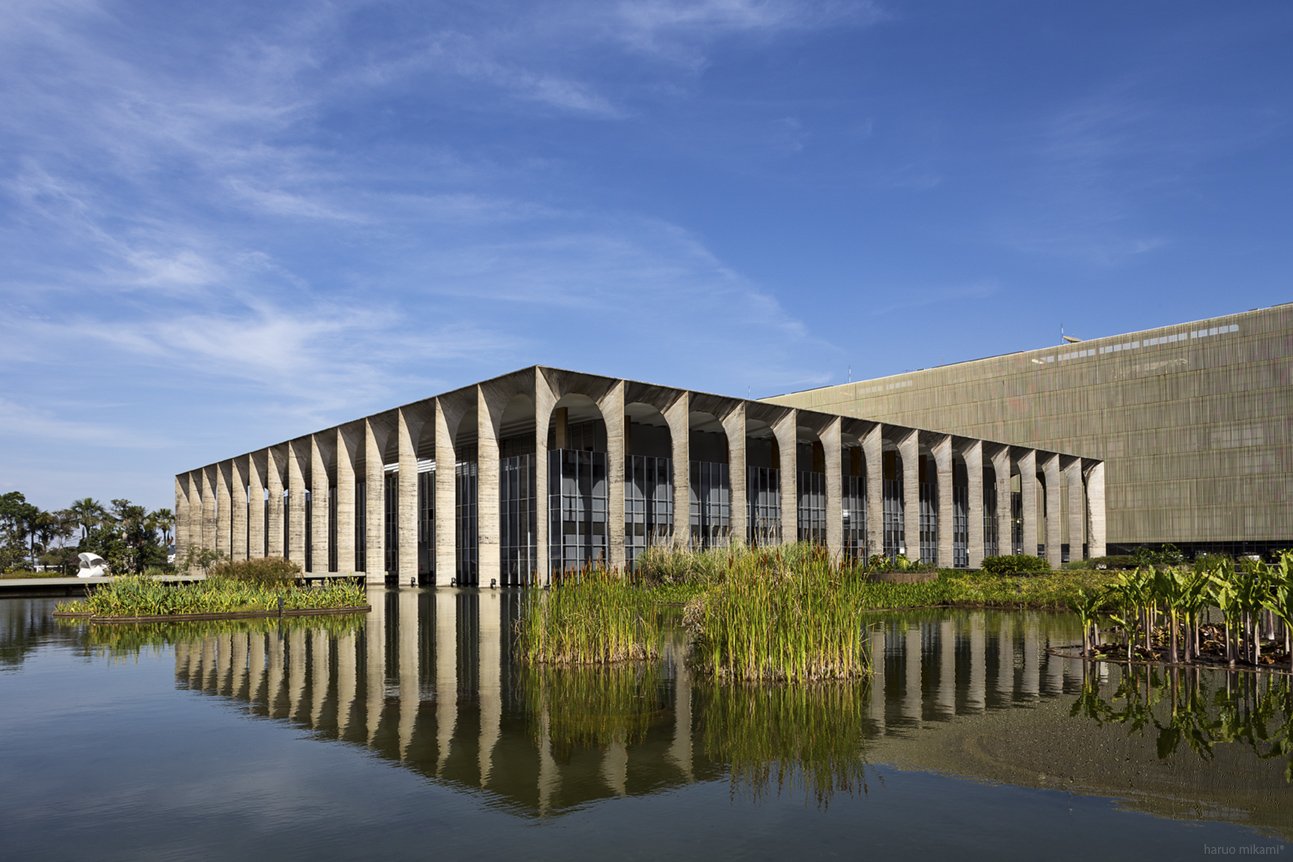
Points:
(1163, 555)
(1015, 566)
(270, 571)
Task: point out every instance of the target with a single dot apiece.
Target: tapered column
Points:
(734, 427)
(256, 468)
(276, 465)
(1005, 514)
(488, 545)
(678, 417)
(974, 502)
(786, 431)
(1095, 508)
(210, 519)
(182, 516)
(1028, 499)
(1054, 520)
(612, 407)
(298, 465)
(321, 448)
(832, 448)
(446, 496)
(406, 511)
(1076, 508)
(544, 401)
(374, 502)
(873, 455)
(238, 507)
(349, 439)
(942, 451)
(909, 448)
(224, 507)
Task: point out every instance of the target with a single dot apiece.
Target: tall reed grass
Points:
(592, 617)
(141, 596)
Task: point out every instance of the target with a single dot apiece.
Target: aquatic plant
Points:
(590, 617)
(594, 705)
(140, 596)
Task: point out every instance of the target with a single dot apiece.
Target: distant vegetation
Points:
(128, 536)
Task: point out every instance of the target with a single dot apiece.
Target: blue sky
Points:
(227, 224)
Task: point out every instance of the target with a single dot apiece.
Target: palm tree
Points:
(87, 513)
(163, 520)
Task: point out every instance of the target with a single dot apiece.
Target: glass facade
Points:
(928, 513)
(894, 513)
(577, 509)
(812, 507)
(332, 528)
(711, 505)
(517, 517)
(361, 526)
(392, 525)
(648, 504)
(1016, 522)
(426, 524)
(765, 505)
(990, 515)
(854, 506)
(960, 517)
(465, 524)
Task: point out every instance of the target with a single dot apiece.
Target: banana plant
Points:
(1279, 598)
(1225, 595)
(1087, 606)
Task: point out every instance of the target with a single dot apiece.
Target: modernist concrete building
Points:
(553, 470)
(1194, 422)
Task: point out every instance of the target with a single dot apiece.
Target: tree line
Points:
(130, 537)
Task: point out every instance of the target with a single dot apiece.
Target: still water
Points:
(410, 732)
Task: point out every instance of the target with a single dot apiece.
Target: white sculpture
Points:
(91, 566)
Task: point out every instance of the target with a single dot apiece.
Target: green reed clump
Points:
(140, 596)
(270, 571)
(774, 618)
(787, 735)
(594, 705)
(594, 617)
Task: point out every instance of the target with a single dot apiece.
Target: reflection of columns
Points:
(1028, 499)
(347, 678)
(256, 467)
(832, 449)
(909, 448)
(256, 660)
(298, 461)
(446, 672)
(320, 448)
(238, 474)
(612, 407)
(680, 752)
(549, 775)
(1076, 508)
(224, 658)
(1032, 675)
(974, 502)
(208, 665)
(320, 673)
(976, 696)
(873, 455)
(275, 664)
(406, 631)
(615, 767)
(348, 440)
(911, 700)
(942, 451)
(786, 431)
(446, 492)
(878, 701)
(1005, 658)
(1054, 669)
(1054, 520)
(678, 417)
(947, 668)
(295, 671)
(489, 417)
(734, 427)
(1095, 503)
(490, 684)
(406, 509)
(275, 463)
(374, 502)
(1005, 514)
(224, 507)
(239, 658)
(375, 666)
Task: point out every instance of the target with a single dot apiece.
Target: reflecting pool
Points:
(410, 731)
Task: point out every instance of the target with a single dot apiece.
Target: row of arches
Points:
(553, 470)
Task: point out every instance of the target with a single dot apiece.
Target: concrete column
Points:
(974, 496)
(182, 541)
(446, 494)
(1028, 499)
(321, 448)
(446, 673)
(408, 431)
(942, 451)
(257, 463)
(1095, 507)
(832, 447)
(612, 407)
(224, 507)
(298, 464)
(909, 449)
(1076, 508)
(490, 681)
(786, 432)
(678, 417)
(873, 455)
(238, 507)
(734, 427)
(375, 435)
(349, 439)
(1001, 474)
(544, 399)
(276, 466)
(1054, 520)
(489, 415)
(209, 518)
